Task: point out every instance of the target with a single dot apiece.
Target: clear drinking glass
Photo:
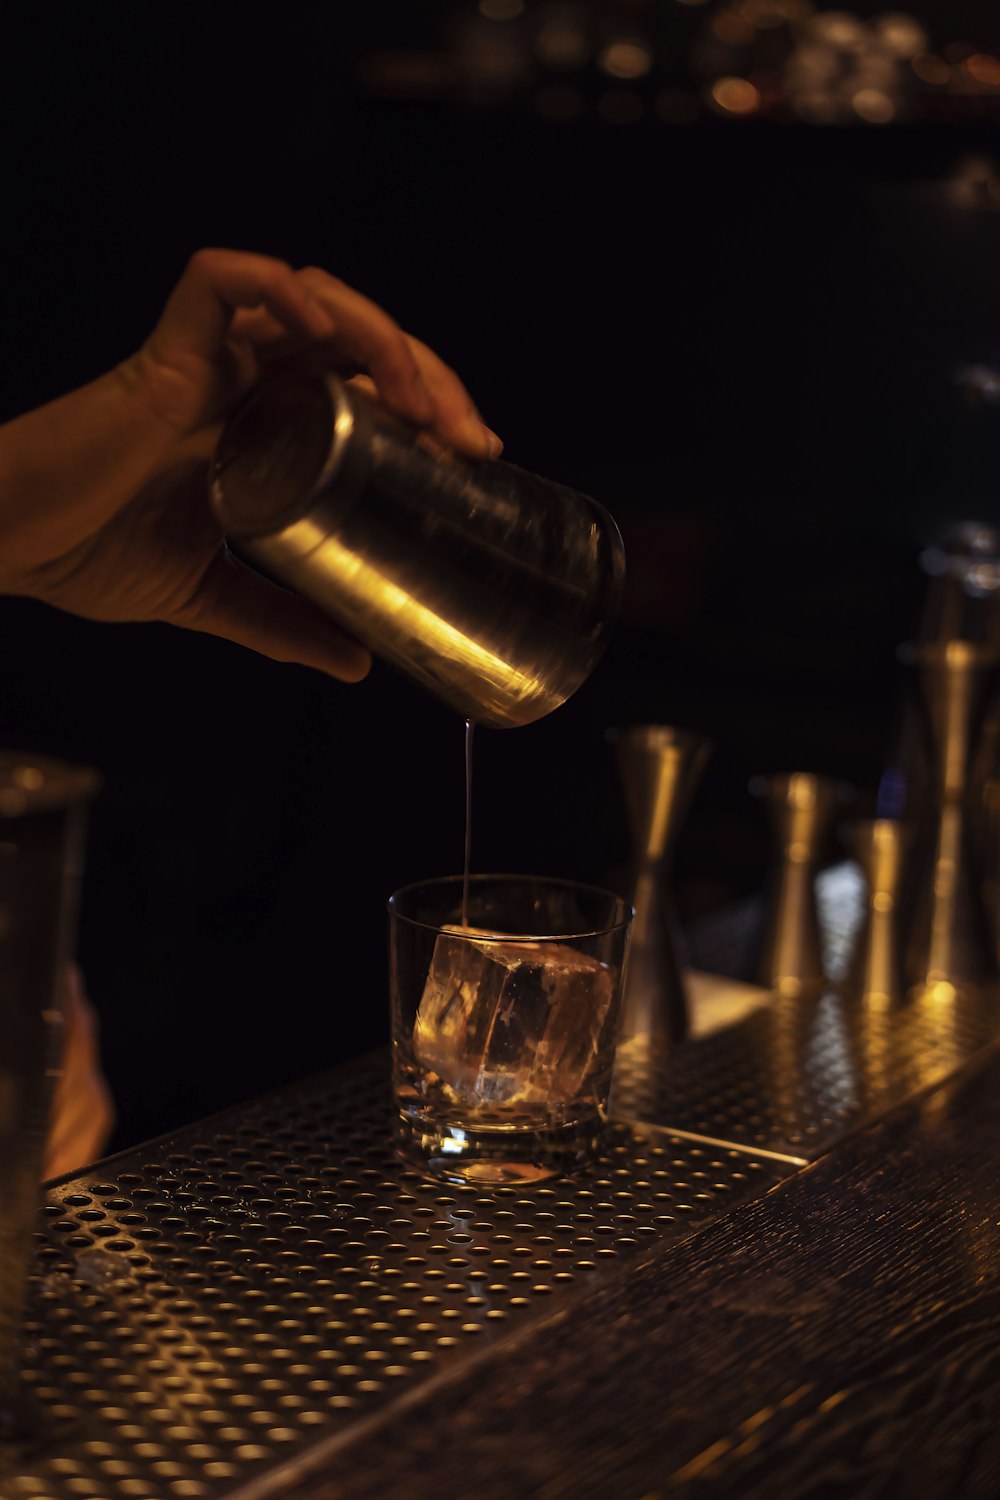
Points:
(504, 1029)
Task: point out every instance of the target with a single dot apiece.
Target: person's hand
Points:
(103, 493)
(82, 1112)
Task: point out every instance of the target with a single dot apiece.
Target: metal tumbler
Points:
(491, 587)
(42, 806)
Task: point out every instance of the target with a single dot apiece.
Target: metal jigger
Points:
(880, 846)
(962, 603)
(659, 767)
(801, 807)
(949, 939)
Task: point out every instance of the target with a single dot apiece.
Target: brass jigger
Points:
(659, 767)
(949, 940)
(801, 807)
(880, 846)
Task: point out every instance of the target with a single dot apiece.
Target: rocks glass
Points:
(504, 1024)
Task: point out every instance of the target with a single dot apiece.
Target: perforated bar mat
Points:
(209, 1306)
(797, 1075)
(211, 1309)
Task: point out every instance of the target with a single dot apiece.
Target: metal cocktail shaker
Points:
(42, 808)
(493, 588)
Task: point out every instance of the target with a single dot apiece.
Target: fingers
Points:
(456, 423)
(369, 338)
(234, 602)
(190, 370)
(456, 419)
(410, 378)
(426, 438)
(200, 310)
(230, 306)
(82, 1108)
(80, 1129)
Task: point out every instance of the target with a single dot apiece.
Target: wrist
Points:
(160, 394)
(66, 468)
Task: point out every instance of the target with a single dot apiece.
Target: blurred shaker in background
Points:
(962, 603)
(948, 935)
(42, 805)
(801, 807)
(659, 768)
(881, 847)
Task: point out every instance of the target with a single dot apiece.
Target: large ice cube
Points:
(508, 1023)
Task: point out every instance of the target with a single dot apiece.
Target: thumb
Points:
(236, 603)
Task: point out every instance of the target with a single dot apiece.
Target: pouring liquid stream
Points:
(469, 729)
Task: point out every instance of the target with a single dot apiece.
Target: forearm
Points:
(66, 468)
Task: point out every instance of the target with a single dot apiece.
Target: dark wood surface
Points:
(838, 1337)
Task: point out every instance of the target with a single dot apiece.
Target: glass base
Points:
(498, 1157)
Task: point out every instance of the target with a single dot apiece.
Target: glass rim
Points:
(606, 930)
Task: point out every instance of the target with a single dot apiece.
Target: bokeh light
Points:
(562, 43)
(626, 58)
(777, 59)
(737, 96)
(874, 106)
(976, 184)
(838, 28)
(902, 35)
(984, 68)
(931, 69)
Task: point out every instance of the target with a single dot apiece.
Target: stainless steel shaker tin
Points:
(42, 807)
(493, 588)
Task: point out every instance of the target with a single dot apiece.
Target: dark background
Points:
(741, 336)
